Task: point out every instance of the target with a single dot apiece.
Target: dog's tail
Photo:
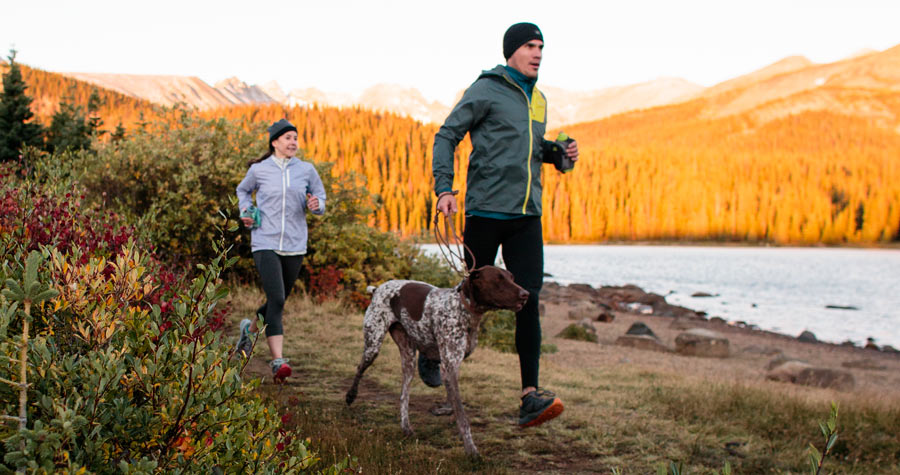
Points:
(371, 289)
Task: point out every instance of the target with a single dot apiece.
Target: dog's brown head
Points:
(491, 287)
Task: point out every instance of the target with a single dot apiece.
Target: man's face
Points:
(527, 59)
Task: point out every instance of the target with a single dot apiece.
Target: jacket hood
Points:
(497, 71)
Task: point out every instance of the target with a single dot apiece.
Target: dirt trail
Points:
(320, 382)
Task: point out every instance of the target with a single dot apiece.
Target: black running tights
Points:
(277, 275)
(523, 253)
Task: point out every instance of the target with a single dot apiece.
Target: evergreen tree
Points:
(69, 129)
(119, 134)
(15, 112)
(93, 108)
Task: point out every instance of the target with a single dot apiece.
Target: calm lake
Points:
(786, 290)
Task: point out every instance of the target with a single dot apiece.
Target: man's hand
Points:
(572, 151)
(447, 204)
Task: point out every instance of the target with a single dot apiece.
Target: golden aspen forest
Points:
(782, 172)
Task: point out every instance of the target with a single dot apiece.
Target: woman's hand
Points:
(248, 221)
(312, 202)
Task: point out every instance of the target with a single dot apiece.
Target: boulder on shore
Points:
(605, 317)
(584, 310)
(614, 297)
(702, 342)
(870, 344)
(639, 329)
(798, 372)
(889, 349)
(808, 337)
(642, 342)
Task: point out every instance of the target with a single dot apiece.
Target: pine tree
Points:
(15, 112)
(69, 130)
(93, 108)
(119, 134)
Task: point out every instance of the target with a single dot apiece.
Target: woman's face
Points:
(286, 145)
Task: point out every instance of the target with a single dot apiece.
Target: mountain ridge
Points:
(565, 106)
(767, 92)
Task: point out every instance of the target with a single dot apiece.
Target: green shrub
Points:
(124, 385)
(173, 179)
(498, 331)
(126, 363)
(433, 270)
(577, 332)
(341, 238)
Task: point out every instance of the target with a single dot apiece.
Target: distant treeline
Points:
(48, 90)
(666, 173)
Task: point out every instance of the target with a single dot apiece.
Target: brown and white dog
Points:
(442, 324)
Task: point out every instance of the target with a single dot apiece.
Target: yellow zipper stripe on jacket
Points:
(530, 144)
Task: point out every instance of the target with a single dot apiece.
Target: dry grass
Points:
(624, 408)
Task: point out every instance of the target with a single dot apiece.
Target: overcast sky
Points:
(439, 47)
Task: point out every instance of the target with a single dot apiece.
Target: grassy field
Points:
(630, 417)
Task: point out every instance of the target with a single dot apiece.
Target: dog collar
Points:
(464, 299)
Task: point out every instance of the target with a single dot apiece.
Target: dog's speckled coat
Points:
(441, 323)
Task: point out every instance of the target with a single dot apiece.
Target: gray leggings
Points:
(277, 275)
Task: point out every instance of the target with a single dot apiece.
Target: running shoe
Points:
(538, 407)
(245, 343)
(280, 369)
(429, 371)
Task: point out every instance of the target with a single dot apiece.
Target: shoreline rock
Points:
(817, 365)
(799, 372)
(702, 342)
(620, 298)
(627, 298)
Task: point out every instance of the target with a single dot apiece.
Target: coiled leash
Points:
(443, 241)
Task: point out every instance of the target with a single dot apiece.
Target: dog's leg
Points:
(407, 361)
(407, 364)
(451, 358)
(373, 334)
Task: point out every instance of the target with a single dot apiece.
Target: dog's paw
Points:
(441, 409)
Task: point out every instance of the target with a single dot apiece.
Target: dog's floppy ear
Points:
(467, 285)
(474, 276)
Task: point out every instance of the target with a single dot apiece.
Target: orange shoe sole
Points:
(552, 411)
(283, 373)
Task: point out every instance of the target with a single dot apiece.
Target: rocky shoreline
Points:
(630, 319)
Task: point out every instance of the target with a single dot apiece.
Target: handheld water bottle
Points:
(251, 212)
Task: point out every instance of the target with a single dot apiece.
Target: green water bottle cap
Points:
(562, 136)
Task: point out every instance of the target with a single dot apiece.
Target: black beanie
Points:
(280, 128)
(519, 34)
